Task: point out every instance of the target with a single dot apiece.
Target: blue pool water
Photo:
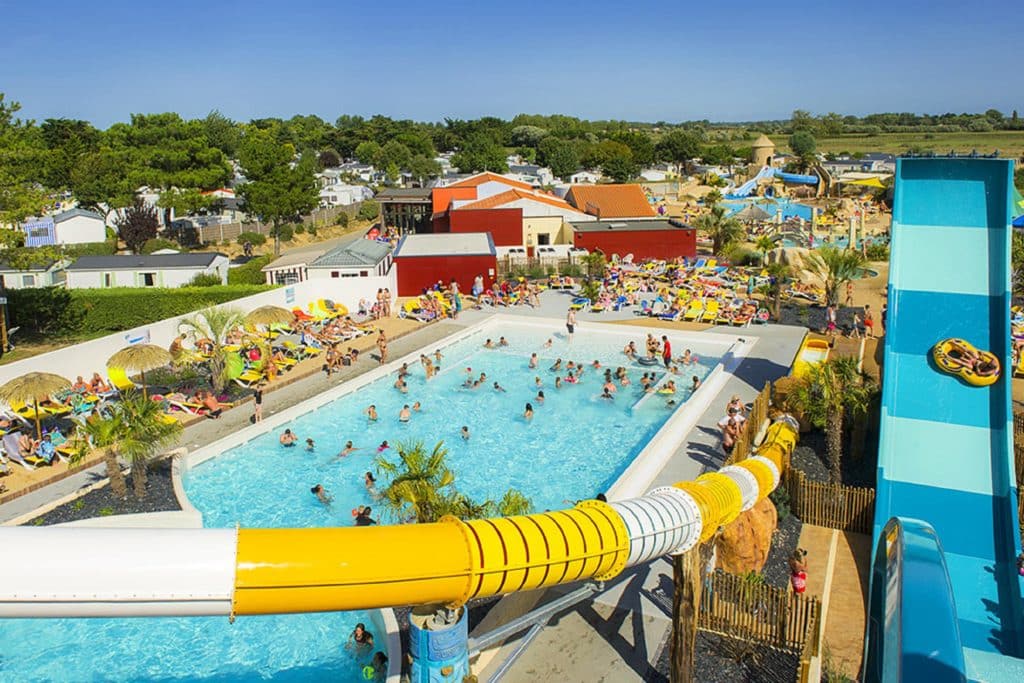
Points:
(790, 209)
(575, 446)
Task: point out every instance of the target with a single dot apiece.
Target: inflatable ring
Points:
(949, 354)
(368, 672)
(647, 361)
(665, 391)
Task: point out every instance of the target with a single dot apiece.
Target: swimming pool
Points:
(790, 209)
(575, 446)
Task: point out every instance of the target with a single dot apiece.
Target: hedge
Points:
(249, 273)
(122, 308)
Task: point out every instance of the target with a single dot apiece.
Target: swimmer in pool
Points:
(383, 446)
(321, 494)
(670, 387)
(371, 413)
(533, 361)
(488, 344)
(528, 413)
(558, 383)
(347, 450)
(596, 365)
(540, 397)
(502, 342)
(557, 366)
(404, 414)
(607, 394)
(416, 407)
(686, 358)
(609, 387)
(288, 438)
(498, 387)
(547, 344)
(696, 383)
(371, 483)
(310, 445)
(465, 433)
(537, 383)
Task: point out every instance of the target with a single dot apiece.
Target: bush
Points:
(204, 280)
(369, 210)
(300, 228)
(877, 252)
(312, 230)
(91, 249)
(122, 308)
(249, 273)
(342, 219)
(285, 233)
(253, 238)
(738, 255)
(158, 243)
(44, 312)
(780, 497)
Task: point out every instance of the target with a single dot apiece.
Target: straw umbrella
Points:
(140, 357)
(752, 213)
(31, 387)
(269, 315)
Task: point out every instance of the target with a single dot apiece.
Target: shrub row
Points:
(57, 313)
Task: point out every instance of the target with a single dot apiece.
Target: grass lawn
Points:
(1009, 143)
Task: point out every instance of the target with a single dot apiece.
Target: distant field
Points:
(1009, 143)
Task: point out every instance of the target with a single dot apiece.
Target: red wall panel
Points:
(417, 272)
(505, 225)
(643, 244)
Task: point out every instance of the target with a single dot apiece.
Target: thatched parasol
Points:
(269, 315)
(140, 357)
(30, 387)
(752, 212)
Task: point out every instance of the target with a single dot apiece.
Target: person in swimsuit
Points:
(570, 323)
(528, 412)
(371, 413)
(288, 438)
(321, 494)
(404, 414)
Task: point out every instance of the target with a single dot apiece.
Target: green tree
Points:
(764, 244)
(778, 275)
(640, 146)
(421, 487)
(101, 181)
(368, 210)
(679, 147)
(528, 136)
(135, 428)
(620, 167)
(329, 158)
(831, 392)
(138, 224)
(803, 120)
(279, 189)
(835, 267)
(222, 133)
(396, 153)
(832, 124)
(21, 195)
(67, 140)
(186, 202)
(803, 145)
(423, 168)
(369, 152)
(561, 156)
(480, 153)
(721, 230)
(214, 323)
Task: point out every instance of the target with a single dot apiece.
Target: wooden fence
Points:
(229, 232)
(810, 649)
(847, 508)
(732, 606)
(751, 426)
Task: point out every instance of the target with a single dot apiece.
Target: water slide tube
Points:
(945, 464)
(765, 173)
(88, 572)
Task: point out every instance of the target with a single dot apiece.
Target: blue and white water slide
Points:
(765, 173)
(945, 601)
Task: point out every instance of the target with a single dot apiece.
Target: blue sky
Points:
(638, 60)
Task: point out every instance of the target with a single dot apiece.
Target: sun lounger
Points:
(10, 443)
(579, 303)
(694, 311)
(711, 311)
(119, 379)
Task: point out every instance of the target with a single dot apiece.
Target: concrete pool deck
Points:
(618, 634)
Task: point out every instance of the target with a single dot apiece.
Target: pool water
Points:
(790, 209)
(576, 445)
(294, 648)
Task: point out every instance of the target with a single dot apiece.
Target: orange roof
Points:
(611, 201)
(496, 200)
(487, 176)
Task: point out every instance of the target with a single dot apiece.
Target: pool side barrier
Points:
(90, 572)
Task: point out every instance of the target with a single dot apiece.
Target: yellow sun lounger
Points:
(711, 312)
(694, 310)
(119, 379)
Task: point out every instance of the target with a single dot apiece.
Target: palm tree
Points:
(830, 392)
(778, 273)
(136, 428)
(712, 198)
(214, 323)
(422, 487)
(722, 231)
(764, 244)
(836, 267)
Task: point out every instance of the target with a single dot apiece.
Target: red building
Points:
(505, 225)
(422, 260)
(644, 239)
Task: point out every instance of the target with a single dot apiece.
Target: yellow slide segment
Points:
(451, 562)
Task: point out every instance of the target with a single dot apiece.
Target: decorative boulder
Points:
(743, 545)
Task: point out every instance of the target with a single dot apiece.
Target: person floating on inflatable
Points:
(959, 357)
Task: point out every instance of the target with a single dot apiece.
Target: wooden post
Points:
(686, 577)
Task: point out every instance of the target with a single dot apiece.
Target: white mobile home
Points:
(152, 270)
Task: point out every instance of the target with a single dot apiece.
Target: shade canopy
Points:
(31, 388)
(269, 315)
(753, 212)
(141, 357)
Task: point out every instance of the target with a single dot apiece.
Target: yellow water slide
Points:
(80, 572)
